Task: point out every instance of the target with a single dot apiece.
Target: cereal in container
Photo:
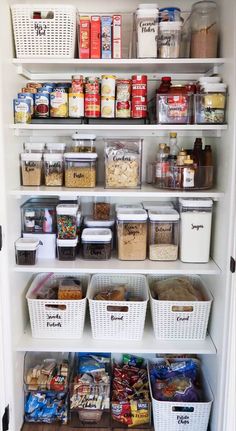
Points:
(163, 235)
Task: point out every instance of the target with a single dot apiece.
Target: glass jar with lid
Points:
(53, 169)
(163, 238)
(204, 24)
(132, 234)
(80, 170)
(83, 143)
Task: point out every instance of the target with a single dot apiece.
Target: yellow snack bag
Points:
(140, 413)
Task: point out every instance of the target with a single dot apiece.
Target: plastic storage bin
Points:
(96, 243)
(51, 34)
(118, 320)
(26, 251)
(39, 215)
(53, 169)
(210, 106)
(180, 320)
(67, 221)
(132, 235)
(80, 170)
(178, 416)
(173, 108)
(54, 318)
(66, 249)
(163, 235)
(31, 169)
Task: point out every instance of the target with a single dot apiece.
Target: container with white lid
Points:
(169, 39)
(55, 147)
(210, 104)
(209, 80)
(132, 234)
(34, 147)
(96, 243)
(147, 30)
(66, 248)
(31, 169)
(110, 224)
(163, 235)
(53, 169)
(152, 205)
(129, 207)
(67, 221)
(26, 251)
(83, 143)
(195, 229)
(80, 169)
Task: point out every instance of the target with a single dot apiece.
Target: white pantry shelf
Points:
(40, 69)
(115, 266)
(149, 344)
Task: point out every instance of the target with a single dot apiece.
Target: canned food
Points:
(42, 102)
(139, 85)
(92, 85)
(108, 86)
(22, 112)
(139, 107)
(27, 96)
(77, 85)
(76, 105)
(92, 105)
(59, 103)
(33, 85)
(123, 109)
(107, 107)
(123, 90)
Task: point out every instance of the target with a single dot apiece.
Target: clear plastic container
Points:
(195, 229)
(83, 143)
(96, 243)
(53, 169)
(34, 147)
(210, 105)
(163, 235)
(31, 169)
(26, 251)
(174, 108)
(204, 22)
(147, 30)
(105, 224)
(67, 221)
(123, 163)
(132, 235)
(155, 206)
(101, 208)
(80, 170)
(55, 147)
(67, 249)
(169, 39)
(39, 215)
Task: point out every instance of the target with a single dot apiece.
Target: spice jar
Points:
(53, 169)
(96, 243)
(132, 235)
(101, 208)
(163, 235)
(66, 249)
(83, 143)
(204, 23)
(169, 39)
(26, 251)
(195, 231)
(66, 221)
(31, 169)
(80, 170)
(147, 30)
(210, 104)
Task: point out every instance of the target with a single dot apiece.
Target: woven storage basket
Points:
(56, 318)
(50, 38)
(118, 320)
(170, 323)
(181, 416)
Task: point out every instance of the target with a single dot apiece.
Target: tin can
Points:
(77, 85)
(27, 96)
(107, 107)
(42, 102)
(139, 107)
(123, 109)
(92, 85)
(22, 112)
(92, 104)
(76, 105)
(123, 90)
(108, 86)
(59, 103)
(139, 85)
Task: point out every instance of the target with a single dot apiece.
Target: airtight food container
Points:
(31, 169)
(163, 234)
(80, 170)
(26, 251)
(67, 248)
(132, 234)
(67, 221)
(53, 169)
(96, 243)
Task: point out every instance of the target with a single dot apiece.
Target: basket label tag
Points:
(183, 420)
(53, 321)
(182, 319)
(40, 29)
(117, 318)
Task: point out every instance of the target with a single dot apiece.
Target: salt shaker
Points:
(147, 30)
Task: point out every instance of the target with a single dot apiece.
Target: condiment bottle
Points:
(188, 173)
(174, 148)
(159, 162)
(198, 159)
(208, 163)
(181, 157)
(165, 85)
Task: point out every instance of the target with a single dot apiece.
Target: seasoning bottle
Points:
(179, 168)
(166, 167)
(198, 159)
(174, 148)
(188, 173)
(208, 166)
(165, 85)
(159, 162)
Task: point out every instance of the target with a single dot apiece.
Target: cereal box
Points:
(84, 37)
(106, 22)
(116, 40)
(95, 48)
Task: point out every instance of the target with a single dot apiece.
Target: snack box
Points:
(106, 25)
(116, 42)
(84, 37)
(95, 47)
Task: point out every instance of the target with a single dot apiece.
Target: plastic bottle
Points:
(47, 222)
(164, 85)
(160, 156)
(208, 163)
(174, 148)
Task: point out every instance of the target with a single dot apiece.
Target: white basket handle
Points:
(60, 307)
(180, 409)
(50, 17)
(118, 308)
(182, 308)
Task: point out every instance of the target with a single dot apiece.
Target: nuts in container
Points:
(123, 163)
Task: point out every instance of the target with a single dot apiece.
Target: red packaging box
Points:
(95, 48)
(116, 51)
(84, 37)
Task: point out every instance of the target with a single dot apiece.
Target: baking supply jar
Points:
(80, 169)
(132, 234)
(66, 221)
(210, 104)
(96, 243)
(53, 169)
(83, 143)
(26, 251)
(31, 169)
(59, 103)
(195, 229)
(108, 86)
(107, 107)
(101, 208)
(76, 104)
(67, 248)
(147, 30)
(169, 39)
(163, 236)
(204, 23)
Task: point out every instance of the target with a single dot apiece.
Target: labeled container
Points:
(101, 208)
(169, 39)
(96, 243)
(123, 163)
(118, 320)
(66, 221)
(31, 169)
(147, 30)
(53, 169)
(80, 170)
(163, 237)
(92, 101)
(26, 251)
(107, 107)
(83, 143)
(195, 229)
(174, 108)
(132, 234)
(210, 104)
(204, 28)
(180, 320)
(22, 111)
(66, 249)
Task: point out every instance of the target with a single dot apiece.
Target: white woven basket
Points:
(50, 38)
(48, 321)
(107, 320)
(181, 416)
(180, 325)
